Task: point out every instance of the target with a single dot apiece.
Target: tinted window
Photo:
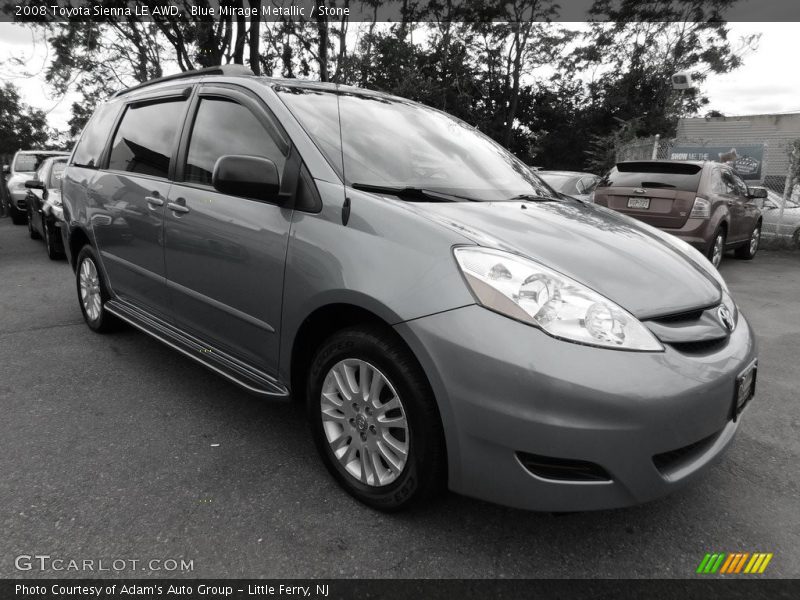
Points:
(393, 142)
(741, 186)
(679, 176)
(728, 183)
(94, 136)
(225, 127)
(146, 138)
(29, 162)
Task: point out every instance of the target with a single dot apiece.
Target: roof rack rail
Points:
(218, 70)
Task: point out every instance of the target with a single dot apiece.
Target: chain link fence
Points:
(778, 173)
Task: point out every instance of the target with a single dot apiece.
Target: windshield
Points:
(395, 143)
(29, 162)
(56, 173)
(563, 183)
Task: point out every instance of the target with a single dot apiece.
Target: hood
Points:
(20, 177)
(644, 270)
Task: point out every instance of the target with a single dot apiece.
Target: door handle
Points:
(178, 207)
(154, 201)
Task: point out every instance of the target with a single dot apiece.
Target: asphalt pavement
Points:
(115, 447)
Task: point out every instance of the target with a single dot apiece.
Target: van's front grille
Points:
(697, 331)
(701, 347)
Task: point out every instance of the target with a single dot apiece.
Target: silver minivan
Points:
(447, 321)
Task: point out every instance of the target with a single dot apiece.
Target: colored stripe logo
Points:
(734, 563)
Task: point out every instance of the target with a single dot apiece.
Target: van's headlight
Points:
(527, 291)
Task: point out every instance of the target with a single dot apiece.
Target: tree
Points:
(21, 126)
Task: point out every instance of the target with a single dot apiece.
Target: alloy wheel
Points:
(364, 422)
(755, 238)
(90, 289)
(719, 245)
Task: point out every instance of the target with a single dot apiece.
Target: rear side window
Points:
(94, 137)
(224, 127)
(678, 176)
(146, 138)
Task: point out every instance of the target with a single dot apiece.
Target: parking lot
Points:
(115, 446)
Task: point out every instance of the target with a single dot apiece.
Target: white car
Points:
(23, 168)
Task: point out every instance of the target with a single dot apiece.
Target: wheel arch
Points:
(320, 324)
(78, 238)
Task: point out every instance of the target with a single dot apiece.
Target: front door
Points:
(225, 255)
(747, 210)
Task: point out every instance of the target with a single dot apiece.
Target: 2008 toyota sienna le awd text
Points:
(445, 319)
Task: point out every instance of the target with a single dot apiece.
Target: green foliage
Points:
(21, 127)
(555, 97)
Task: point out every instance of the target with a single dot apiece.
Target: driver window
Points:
(728, 183)
(224, 127)
(741, 186)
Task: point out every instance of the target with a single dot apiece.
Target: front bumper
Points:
(18, 198)
(505, 388)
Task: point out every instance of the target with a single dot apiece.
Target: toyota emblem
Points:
(726, 317)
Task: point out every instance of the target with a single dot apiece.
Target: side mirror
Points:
(34, 184)
(756, 192)
(247, 176)
(6, 169)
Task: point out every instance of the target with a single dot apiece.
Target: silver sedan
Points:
(786, 226)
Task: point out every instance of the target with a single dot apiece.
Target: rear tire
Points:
(748, 251)
(93, 292)
(717, 248)
(387, 458)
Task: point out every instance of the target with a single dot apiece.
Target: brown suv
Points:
(703, 203)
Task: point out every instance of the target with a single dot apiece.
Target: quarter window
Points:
(224, 127)
(94, 137)
(146, 138)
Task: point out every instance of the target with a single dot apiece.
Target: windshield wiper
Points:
(532, 198)
(416, 193)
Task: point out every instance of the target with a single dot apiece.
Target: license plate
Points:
(745, 388)
(638, 202)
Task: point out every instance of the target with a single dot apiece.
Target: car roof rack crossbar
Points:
(218, 70)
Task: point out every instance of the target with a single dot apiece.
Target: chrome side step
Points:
(240, 373)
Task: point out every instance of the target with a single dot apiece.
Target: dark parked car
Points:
(22, 169)
(43, 205)
(706, 204)
(572, 183)
(446, 320)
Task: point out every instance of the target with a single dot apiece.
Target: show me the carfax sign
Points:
(747, 161)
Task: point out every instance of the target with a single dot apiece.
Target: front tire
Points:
(748, 251)
(374, 419)
(53, 252)
(93, 292)
(17, 216)
(31, 231)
